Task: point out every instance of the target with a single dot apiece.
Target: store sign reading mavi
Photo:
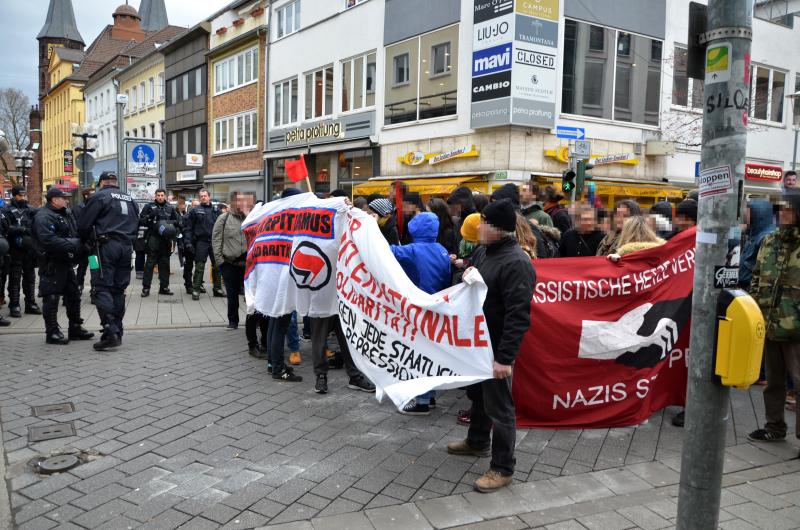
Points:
(491, 60)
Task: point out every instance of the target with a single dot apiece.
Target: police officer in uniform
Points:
(199, 226)
(84, 264)
(60, 249)
(19, 216)
(111, 218)
(162, 223)
(3, 256)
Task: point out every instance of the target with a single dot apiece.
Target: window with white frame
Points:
(440, 59)
(235, 133)
(796, 99)
(108, 100)
(143, 100)
(686, 92)
(288, 18)
(236, 71)
(134, 100)
(319, 93)
(358, 82)
(285, 110)
(153, 130)
(152, 87)
(161, 88)
(401, 69)
(610, 74)
(144, 131)
(102, 109)
(767, 86)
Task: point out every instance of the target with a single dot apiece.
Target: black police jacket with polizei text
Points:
(19, 218)
(112, 213)
(56, 234)
(154, 212)
(200, 223)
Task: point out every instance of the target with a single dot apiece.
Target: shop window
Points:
(288, 19)
(319, 93)
(686, 92)
(235, 133)
(440, 59)
(236, 71)
(418, 87)
(768, 86)
(285, 103)
(623, 86)
(358, 83)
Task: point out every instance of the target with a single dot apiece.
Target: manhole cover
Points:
(58, 464)
(50, 432)
(49, 410)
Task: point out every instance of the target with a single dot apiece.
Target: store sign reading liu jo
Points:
(313, 132)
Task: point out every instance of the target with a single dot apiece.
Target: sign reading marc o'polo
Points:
(489, 9)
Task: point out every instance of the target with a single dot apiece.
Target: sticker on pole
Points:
(718, 63)
(715, 181)
(726, 277)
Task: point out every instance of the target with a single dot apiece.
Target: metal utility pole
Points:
(727, 95)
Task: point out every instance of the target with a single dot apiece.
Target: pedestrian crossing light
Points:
(568, 180)
(582, 176)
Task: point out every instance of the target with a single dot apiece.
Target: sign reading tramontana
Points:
(405, 340)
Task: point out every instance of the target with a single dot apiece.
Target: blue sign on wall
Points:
(491, 60)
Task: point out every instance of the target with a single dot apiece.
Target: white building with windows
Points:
(396, 97)
(100, 95)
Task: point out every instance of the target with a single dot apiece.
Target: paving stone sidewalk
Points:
(182, 429)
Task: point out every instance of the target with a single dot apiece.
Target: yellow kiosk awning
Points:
(423, 186)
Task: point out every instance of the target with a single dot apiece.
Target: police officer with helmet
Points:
(162, 223)
(109, 223)
(60, 249)
(22, 256)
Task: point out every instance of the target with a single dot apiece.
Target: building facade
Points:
(185, 124)
(100, 94)
(236, 90)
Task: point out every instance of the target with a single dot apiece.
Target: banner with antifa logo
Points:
(608, 342)
(292, 246)
(405, 340)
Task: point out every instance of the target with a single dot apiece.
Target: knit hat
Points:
(469, 230)
(663, 208)
(501, 215)
(687, 208)
(382, 207)
(288, 192)
(507, 191)
(459, 194)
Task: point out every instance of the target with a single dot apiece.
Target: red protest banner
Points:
(608, 342)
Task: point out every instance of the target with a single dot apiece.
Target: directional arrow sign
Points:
(570, 133)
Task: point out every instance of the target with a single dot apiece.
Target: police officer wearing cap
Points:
(109, 223)
(162, 223)
(60, 249)
(22, 256)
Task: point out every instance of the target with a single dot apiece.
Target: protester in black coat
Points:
(585, 238)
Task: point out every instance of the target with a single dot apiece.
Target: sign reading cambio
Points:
(762, 172)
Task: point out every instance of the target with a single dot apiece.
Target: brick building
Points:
(236, 95)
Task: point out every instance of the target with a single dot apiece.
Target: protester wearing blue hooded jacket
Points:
(761, 223)
(427, 264)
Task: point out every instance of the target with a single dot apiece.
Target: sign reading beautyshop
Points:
(514, 62)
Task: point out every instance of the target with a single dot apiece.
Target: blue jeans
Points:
(292, 339)
(425, 399)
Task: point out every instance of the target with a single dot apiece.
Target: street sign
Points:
(143, 157)
(570, 133)
(84, 162)
(582, 149)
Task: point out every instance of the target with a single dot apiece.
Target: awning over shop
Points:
(423, 186)
(610, 192)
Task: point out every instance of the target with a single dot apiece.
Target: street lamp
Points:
(796, 128)
(84, 140)
(23, 160)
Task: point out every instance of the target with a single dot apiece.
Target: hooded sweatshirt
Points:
(425, 261)
(761, 224)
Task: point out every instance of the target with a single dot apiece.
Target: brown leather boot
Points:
(463, 448)
(492, 481)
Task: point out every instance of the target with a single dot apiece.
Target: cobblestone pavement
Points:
(181, 428)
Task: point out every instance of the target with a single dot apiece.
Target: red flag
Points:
(296, 170)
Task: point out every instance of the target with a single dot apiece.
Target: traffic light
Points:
(568, 180)
(582, 176)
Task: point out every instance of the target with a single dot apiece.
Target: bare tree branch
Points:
(14, 117)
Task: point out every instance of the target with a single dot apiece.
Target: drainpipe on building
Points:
(267, 173)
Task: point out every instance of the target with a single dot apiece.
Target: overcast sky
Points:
(24, 18)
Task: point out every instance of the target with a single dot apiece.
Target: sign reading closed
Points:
(763, 172)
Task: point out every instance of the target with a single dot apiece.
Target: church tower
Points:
(59, 30)
(154, 15)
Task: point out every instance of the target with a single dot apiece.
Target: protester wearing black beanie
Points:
(288, 192)
(501, 215)
(507, 191)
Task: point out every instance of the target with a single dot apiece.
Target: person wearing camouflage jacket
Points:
(776, 288)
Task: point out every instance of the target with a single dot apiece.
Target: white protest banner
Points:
(291, 260)
(404, 340)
